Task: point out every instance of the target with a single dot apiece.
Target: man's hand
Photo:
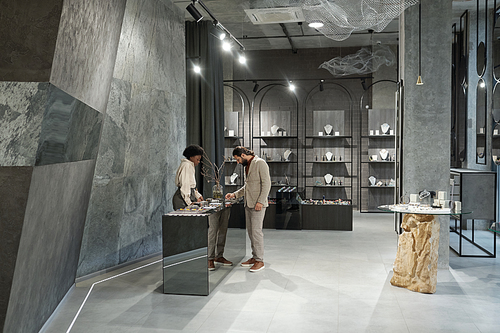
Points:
(200, 199)
(230, 196)
(258, 206)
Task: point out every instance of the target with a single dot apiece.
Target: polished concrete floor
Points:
(314, 281)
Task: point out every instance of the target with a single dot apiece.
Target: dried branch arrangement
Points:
(211, 171)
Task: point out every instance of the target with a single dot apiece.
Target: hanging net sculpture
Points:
(341, 17)
(362, 62)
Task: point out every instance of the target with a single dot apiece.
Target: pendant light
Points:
(419, 80)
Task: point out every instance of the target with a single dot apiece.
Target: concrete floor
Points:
(314, 281)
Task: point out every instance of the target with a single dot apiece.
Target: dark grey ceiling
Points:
(231, 14)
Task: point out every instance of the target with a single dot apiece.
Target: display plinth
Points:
(185, 252)
(415, 267)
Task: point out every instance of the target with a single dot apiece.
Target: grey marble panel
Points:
(86, 47)
(151, 50)
(27, 39)
(22, 107)
(141, 146)
(14, 188)
(70, 130)
(100, 244)
(50, 243)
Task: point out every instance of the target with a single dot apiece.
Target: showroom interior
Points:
(98, 99)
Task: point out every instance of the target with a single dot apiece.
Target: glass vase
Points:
(217, 191)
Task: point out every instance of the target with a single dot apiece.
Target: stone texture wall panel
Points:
(86, 49)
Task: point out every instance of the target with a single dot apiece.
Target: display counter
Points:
(185, 256)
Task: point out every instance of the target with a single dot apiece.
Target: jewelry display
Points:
(328, 129)
(372, 180)
(274, 129)
(383, 154)
(379, 183)
(287, 154)
(480, 152)
(392, 182)
(373, 158)
(328, 156)
(385, 128)
(328, 179)
(233, 178)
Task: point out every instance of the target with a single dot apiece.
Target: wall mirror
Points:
(495, 116)
(482, 27)
(495, 42)
(481, 59)
(481, 122)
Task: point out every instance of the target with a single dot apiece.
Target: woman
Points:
(185, 178)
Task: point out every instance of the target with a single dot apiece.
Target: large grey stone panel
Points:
(14, 188)
(50, 243)
(70, 130)
(28, 38)
(151, 49)
(141, 146)
(86, 49)
(22, 107)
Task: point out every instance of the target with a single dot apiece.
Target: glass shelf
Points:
(329, 186)
(378, 187)
(495, 227)
(275, 137)
(328, 137)
(379, 136)
(327, 162)
(407, 209)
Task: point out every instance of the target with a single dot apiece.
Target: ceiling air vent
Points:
(275, 15)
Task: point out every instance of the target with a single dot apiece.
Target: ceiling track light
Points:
(197, 16)
(242, 59)
(255, 86)
(291, 86)
(321, 87)
(194, 12)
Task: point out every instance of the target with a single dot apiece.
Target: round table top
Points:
(424, 210)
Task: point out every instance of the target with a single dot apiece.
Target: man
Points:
(256, 189)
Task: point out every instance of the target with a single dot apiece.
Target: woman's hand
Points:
(230, 196)
(200, 199)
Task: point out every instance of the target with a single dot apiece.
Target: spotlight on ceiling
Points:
(194, 12)
(226, 46)
(291, 86)
(316, 24)
(255, 86)
(363, 84)
(222, 35)
(482, 84)
(321, 87)
(242, 59)
(197, 69)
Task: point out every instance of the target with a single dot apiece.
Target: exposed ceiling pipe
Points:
(294, 50)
